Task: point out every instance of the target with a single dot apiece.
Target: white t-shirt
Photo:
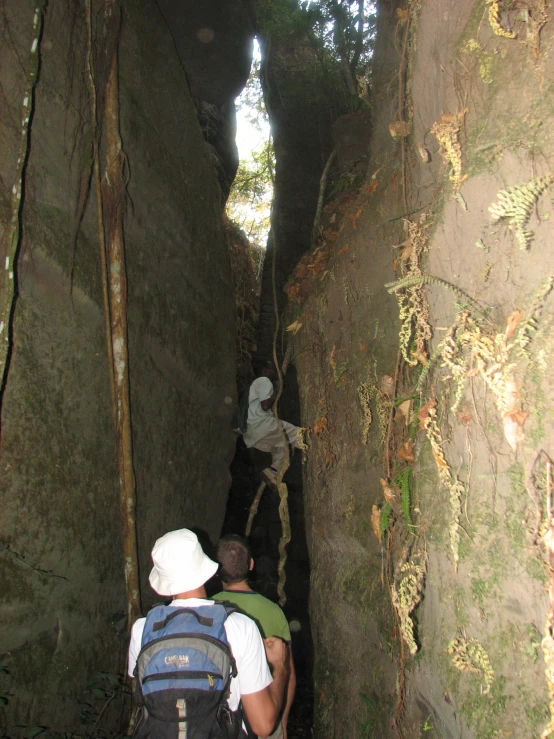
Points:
(245, 642)
(260, 422)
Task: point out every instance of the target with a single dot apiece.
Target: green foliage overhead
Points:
(249, 201)
(251, 194)
(341, 31)
(255, 176)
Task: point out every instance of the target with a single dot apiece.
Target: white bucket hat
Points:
(180, 564)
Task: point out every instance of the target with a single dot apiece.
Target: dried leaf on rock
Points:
(420, 356)
(441, 462)
(386, 385)
(513, 417)
(392, 496)
(354, 216)
(343, 250)
(388, 492)
(294, 327)
(518, 416)
(406, 452)
(449, 118)
(376, 521)
(406, 253)
(512, 431)
(399, 129)
(513, 320)
(405, 409)
(402, 14)
(424, 411)
(320, 426)
(423, 153)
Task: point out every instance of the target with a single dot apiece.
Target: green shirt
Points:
(268, 615)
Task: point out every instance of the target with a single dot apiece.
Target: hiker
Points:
(208, 703)
(235, 563)
(262, 431)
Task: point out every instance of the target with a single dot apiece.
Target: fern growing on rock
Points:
(515, 204)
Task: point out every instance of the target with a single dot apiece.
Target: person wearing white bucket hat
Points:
(181, 568)
(180, 564)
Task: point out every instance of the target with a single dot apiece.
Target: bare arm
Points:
(262, 708)
(291, 689)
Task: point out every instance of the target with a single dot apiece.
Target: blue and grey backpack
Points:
(184, 672)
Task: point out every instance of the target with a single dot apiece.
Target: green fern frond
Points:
(528, 327)
(384, 520)
(402, 480)
(433, 359)
(412, 280)
(515, 205)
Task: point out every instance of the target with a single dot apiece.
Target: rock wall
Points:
(63, 590)
(392, 516)
(303, 99)
(214, 41)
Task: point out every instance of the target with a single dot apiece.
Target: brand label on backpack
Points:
(177, 660)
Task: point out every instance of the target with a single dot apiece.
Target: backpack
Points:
(184, 672)
(239, 421)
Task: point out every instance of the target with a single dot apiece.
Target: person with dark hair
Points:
(262, 430)
(235, 563)
(180, 571)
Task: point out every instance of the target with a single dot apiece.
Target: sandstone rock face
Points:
(62, 576)
(351, 137)
(479, 671)
(214, 40)
(302, 101)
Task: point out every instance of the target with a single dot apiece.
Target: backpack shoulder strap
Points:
(229, 608)
(174, 612)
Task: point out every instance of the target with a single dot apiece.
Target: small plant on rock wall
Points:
(367, 729)
(406, 594)
(412, 301)
(494, 20)
(471, 349)
(455, 488)
(384, 518)
(447, 133)
(403, 480)
(365, 394)
(469, 656)
(515, 205)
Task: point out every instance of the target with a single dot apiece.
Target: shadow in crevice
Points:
(264, 542)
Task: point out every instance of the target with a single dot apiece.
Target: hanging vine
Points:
(281, 486)
(113, 192)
